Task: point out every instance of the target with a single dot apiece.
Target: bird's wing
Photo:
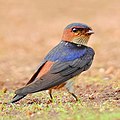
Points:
(70, 67)
(36, 72)
(58, 73)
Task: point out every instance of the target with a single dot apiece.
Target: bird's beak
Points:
(90, 32)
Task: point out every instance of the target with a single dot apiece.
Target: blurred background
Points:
(30, 28)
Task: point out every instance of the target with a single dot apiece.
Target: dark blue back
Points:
(66, 51)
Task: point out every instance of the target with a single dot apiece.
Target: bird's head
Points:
(77, 33)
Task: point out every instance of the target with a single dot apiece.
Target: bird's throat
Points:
(81, 40)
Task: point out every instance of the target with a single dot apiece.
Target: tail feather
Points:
(17, 98)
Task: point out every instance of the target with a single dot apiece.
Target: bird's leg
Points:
(74, 96)
(50, 93)
(70, 88)
(72, 93)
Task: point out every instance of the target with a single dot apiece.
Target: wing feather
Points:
(58, 73)
(36, 72)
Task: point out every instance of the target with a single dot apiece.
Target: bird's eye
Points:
(75, 30)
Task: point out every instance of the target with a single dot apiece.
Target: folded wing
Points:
(59, 73)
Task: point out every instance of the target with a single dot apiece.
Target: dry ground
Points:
(29, 29)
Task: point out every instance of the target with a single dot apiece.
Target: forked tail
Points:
(17, 98)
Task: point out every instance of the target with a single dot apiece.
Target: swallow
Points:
(68, 59)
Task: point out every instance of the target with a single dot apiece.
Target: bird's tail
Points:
(17, 98)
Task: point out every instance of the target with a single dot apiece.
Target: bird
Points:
(65, 61)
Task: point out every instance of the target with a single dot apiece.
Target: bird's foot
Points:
(50, 101)
(79, 101)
